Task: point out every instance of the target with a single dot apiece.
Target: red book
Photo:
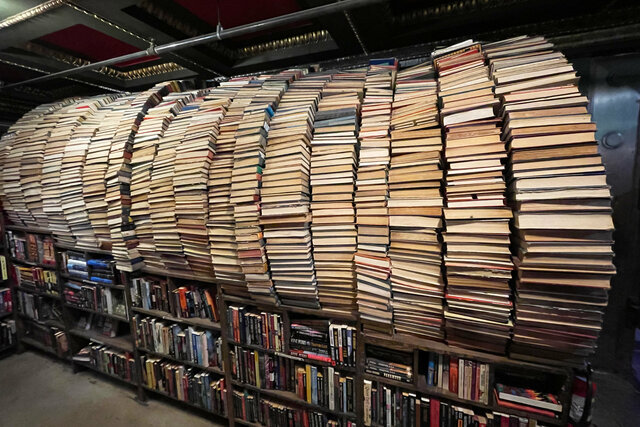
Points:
(453, 375)
(524, 408)
(434, 413)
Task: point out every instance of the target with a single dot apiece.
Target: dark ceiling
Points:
(60, 34)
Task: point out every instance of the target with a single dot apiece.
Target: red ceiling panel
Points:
(238, 12)
(92, 44)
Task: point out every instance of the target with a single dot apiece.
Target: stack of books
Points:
(373, 266)
(333, 163)
(124, 244)
(108, 360)
(527, 400)
(55, 179)
(192, 163)
(385, 405)
(14, 144)
(319, 385)
(478, 262)
(199, 388)
(561, 200)
(415, 205)
(182, 302)
(391, 364)
(246, 179)
(285, 193)
(73, 163)
(324, 341)
(145, 146)
(189, 344)
(256, 328)
(94, 173)
(260, 411)
(221, 223)
(162, 201)
(29, 178)
(468, 379)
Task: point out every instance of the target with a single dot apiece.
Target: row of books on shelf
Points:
(199, 388)
(31, 247)
(48, 336)
(100, 324)
(37, 307)
(322, 340)
(249, 407)
(108, 360)
(323, 386)
(190, 344)
(100, 270)
(466, 378)
(390, 406)
(99, 299)
(6, 302)
(259, 328)
(36, 278)
(183, 302)
(389, 364)
(7, 333)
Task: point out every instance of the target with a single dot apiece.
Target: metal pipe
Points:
(240, 30)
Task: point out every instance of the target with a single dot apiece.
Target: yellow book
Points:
(308, 372)
(3, 267)
(257, 364)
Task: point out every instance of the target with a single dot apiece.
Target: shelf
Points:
(7, 314)
(33, 230)
(122, 342)
(193, 405)
(306, 360)
(409, 342)
(38, 292)
(247, 423)
(49, 322)
(293, 398)
(8, 347)
(329, 314)
(183, 362)
(262, 349)
(36, 344)
(88, 310)
(434, 392)
(77, 249)
(33, 263)
(108, 374)
(175, 275)
(193, 321)
(67, 276)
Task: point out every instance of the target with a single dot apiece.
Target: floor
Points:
(37, 390)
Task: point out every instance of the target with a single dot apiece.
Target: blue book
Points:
(431, 370)
(314, 385)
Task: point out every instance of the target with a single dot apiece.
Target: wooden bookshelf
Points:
(400, 342)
